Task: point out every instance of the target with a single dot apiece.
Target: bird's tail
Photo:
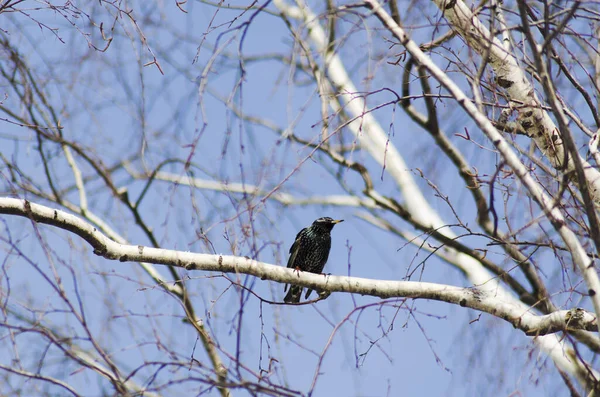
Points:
(293, 295)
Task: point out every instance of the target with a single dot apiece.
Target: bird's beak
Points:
(338, 221)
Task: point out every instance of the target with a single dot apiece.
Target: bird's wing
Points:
(294, 250)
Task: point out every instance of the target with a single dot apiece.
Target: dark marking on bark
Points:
(526, 124)
(504, 83)
(592, 292)
(477, 294)
(463, 302)
(123, 258)
(450, 4)
(497, 142)
(542, 129)
(55, 214)
(220, 260)
(528, 113)
(141, 249)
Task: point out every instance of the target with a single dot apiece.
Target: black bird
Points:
(309, 253)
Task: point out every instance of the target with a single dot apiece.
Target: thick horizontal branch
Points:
(473, 297)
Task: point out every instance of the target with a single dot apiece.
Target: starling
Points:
(309, 253)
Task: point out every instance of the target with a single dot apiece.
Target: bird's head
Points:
(326, 223)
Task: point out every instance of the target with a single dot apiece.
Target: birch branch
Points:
(252, 190)
(474, 297)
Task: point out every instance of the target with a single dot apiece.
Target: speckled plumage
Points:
(309, 253)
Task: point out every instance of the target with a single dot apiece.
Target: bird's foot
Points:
(324, 294)
(297, 270)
